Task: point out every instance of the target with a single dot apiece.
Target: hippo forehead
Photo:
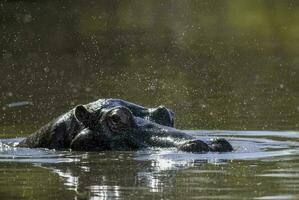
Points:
(101, 106)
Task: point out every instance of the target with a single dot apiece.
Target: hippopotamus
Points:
(115, 124)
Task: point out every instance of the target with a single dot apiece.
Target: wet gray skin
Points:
(114, 124)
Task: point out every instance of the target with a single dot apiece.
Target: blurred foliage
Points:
(217, 64)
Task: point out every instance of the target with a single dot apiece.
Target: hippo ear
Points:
(84, 116)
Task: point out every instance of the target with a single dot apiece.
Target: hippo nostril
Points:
(220, 145)
(195, 146)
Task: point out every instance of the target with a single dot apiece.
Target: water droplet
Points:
(46, 69)
(87, 89)
(27, 18)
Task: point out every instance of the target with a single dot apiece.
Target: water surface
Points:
(260, 158)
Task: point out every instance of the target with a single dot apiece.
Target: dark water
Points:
(220, 65)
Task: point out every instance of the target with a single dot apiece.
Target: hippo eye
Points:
(115, 118)
(119, 119)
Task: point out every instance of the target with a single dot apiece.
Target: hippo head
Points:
(123, 128)
(115, 124)
(118, 127)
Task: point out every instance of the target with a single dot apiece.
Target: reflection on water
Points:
(105, 192)
(269, 158)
